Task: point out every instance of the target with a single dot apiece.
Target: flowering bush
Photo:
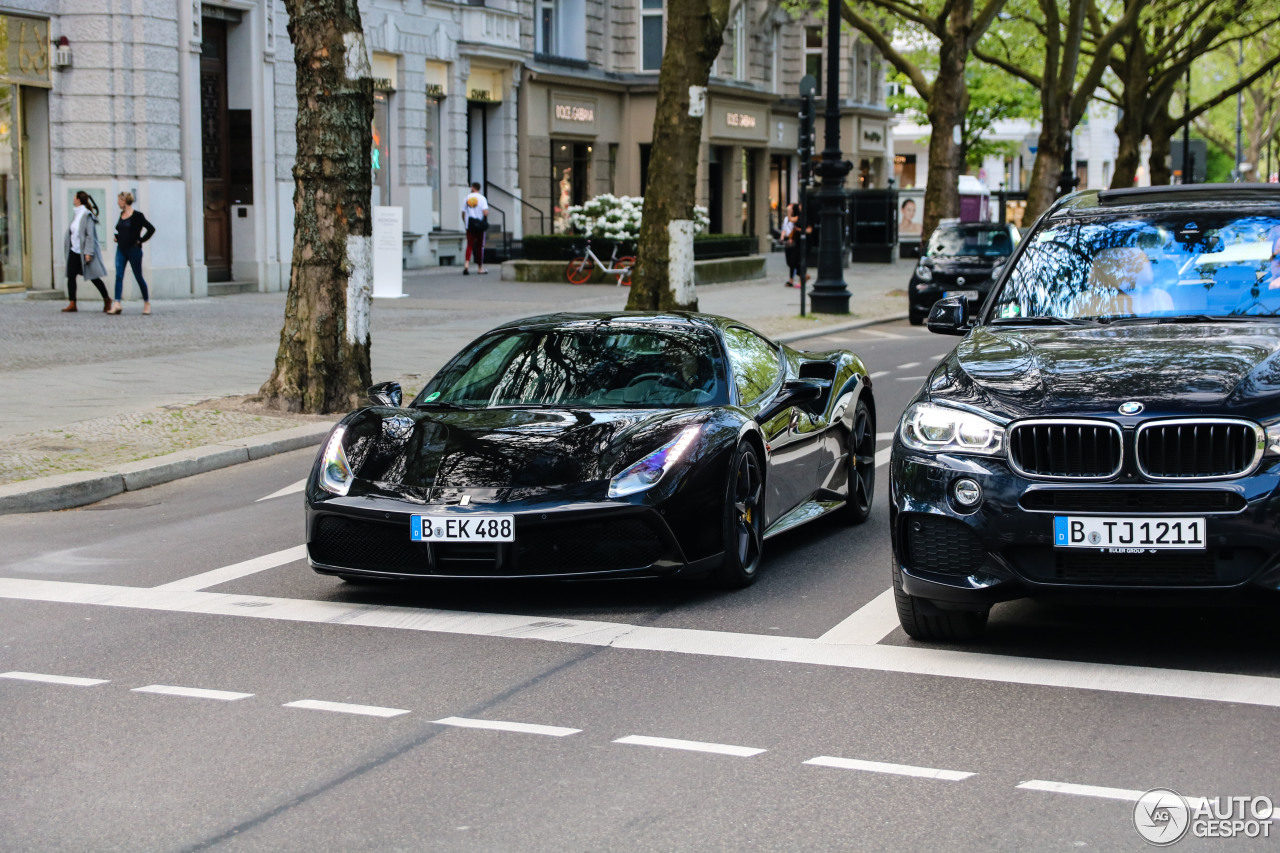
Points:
(618, 217)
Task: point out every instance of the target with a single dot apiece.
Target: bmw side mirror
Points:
(386, 394)
(794, 392)
(949, 316)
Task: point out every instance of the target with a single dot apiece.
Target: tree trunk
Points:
(1135, 81)
(663, 278)
(1161, 132)
(322, 364)
(948, 104)
(1046, 170)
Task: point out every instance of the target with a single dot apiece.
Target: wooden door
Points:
(213, 139)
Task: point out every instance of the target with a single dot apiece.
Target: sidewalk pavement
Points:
(87, 392)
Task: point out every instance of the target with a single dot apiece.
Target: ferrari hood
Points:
(419, 451)
(1226, 368)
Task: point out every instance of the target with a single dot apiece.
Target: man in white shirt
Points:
(475, 219)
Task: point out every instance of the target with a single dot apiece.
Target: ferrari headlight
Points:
(1273, 440)
(648, 471)
(335, 471)
(938, 429)
(924, 273)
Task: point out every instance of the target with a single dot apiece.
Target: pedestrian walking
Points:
(791, 243)
(132, 230)
(83, 255)
(475, 218)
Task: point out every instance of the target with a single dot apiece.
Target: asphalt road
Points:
(151, 706)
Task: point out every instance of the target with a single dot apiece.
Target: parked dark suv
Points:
(958, 262)
(1109, 426)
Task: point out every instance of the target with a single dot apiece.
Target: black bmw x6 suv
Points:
(1109, 426)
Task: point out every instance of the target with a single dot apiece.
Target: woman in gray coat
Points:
(83, 255)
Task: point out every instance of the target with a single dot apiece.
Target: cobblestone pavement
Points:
(118, 388)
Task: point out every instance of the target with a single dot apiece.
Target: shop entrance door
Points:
(477, 142)
(12, 248)
(715, 190)
(216, 160)
(779, 190)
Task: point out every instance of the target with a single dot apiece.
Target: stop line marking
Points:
(893, 769)
(505, 726)
(346, 708)
(192, 692)
(867, 625)
(69, 680)
(205, 580)
(906, 660)
(690, 745)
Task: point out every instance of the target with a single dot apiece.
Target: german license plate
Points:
(967, 294)
(1128, 533)
(462, 528)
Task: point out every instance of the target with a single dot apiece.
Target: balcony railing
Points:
(491, 27)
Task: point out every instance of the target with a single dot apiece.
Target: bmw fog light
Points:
(967, 492)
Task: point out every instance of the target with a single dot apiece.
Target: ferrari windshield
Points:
(1170, 264)
(583, 365)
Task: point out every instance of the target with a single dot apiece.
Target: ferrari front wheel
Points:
(861, 465)
(743, 521)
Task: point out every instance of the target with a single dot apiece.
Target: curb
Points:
(64, 491)
(801, 334)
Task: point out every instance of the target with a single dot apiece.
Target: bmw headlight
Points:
(335, 471)
(938, 429)
(924, 273)
(649, 471)
(1273, 440)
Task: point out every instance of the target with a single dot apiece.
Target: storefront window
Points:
(570, 180)
(904, 170)
(10, 194)
(434, 107)
(381, 149)
(779, 190)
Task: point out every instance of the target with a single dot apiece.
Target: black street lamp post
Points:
(830, 294)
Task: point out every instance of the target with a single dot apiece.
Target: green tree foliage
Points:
(994, 96)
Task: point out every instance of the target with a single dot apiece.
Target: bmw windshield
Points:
(1170, 266)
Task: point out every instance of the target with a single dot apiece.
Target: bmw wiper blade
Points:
(1191, 318)
(1042, 320)
(443, 404)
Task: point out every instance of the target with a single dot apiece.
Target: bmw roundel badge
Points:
(1132, 407)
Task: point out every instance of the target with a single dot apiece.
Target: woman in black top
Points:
(132, 230)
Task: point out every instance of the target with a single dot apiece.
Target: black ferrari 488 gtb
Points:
(601, 445)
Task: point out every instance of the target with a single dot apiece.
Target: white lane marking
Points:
(239, 570)
(1123, 794)
(881, 334)
(296, 488)
(867, 625)
(345, 708)
(71, 680)
(910, 378)
(879, 373)
(908, 365)
(882, 456)
(690, 745)
(192, 692)
(503, 726)
(895, 769)
(1006, 669)
(883, 436)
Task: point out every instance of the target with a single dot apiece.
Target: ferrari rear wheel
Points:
(862, 466)
(743, 520)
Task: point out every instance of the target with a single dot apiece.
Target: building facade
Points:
(190, 105)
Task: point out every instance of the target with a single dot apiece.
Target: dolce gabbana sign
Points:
(573, 114)
(748, 122)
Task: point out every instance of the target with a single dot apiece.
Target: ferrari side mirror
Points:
(386, 394)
